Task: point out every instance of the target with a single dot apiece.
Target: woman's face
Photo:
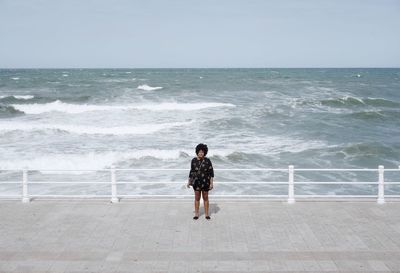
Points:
(200, 154)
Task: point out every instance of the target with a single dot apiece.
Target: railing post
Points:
(114, 198)
(381, 185)
(291, 199)
(25, 195)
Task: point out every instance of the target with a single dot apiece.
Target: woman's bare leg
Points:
(205, 201)
(196, 202)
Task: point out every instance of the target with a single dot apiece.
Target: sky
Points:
(199, 34)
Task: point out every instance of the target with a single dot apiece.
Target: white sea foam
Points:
(38, 108)
(24, 97)
(149, 88)
(15, 78)
(20, 97)
(83, 129)
(95, 160)
(269, 145)
(64, 161)
(99, 160)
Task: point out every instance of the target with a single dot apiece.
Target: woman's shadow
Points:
(212, 209)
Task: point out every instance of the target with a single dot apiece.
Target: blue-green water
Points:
(154, 118)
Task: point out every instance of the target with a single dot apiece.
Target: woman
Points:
(201, 168)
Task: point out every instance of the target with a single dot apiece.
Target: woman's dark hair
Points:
(202, 147)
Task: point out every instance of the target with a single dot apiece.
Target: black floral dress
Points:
(202, 183)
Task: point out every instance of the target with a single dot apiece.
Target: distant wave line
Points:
(59, 106)
(83, 129)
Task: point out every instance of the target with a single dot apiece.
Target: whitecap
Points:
(19, 97)
(149, 88)
(38, 108)
(24, 97)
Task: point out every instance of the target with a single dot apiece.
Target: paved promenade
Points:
(161, 236)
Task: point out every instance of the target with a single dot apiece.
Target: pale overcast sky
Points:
(206, 33)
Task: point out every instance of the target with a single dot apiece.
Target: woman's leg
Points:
(196, 202)
(205, 201)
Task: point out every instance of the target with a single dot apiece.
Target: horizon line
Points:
(294, 67)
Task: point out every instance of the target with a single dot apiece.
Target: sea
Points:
(67, 125)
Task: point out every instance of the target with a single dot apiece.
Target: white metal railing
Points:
(115, 197)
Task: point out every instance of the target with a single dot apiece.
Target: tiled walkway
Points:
(161, 236)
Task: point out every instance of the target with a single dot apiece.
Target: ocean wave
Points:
(149, 88)
(231, 123)
(29, 99)
(83, 129)
(370, 149)
(377, 114)
(318, 88)
(367, 115)
(24, 97)
(19, 97)
(98, 160)
(169, 106)
(252, 148)
(60, 106)
(348, 101)
(63, 161)
(125, 159)
(9, 111)
(118, 80)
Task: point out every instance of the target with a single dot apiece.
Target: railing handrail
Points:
(217, 169)
(290, 170)
(219, 182)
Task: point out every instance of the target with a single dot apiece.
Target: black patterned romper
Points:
(204, 177)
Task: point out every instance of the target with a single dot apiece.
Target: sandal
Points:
(208, 217)
(195, 217)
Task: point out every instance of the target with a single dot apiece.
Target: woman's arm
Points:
(190, 172)
(211, 170)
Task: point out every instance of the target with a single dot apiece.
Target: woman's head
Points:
(201, 149)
